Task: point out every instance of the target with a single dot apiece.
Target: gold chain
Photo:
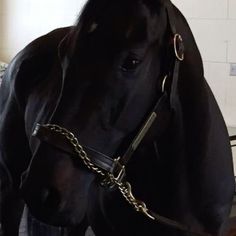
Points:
(124, 187)
(77, 147)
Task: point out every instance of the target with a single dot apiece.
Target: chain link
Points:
(109, 178)
(77, 147)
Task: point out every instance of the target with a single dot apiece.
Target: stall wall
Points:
(212, 21)
(21, 21)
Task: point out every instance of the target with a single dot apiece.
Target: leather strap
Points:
(177, 225)
(159, 106)
(106, 163)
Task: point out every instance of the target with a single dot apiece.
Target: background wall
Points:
(21, 21)
(213, 23)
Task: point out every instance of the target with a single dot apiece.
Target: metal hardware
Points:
(177, 40)
(106, 182)
(109, 178)
(139, 205)
(120, 174)
(163, 84)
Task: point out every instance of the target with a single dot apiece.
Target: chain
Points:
(124, 187)
(77, 147)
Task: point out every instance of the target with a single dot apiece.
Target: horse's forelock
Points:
(97, 12)
(91, 11)
(94, 8)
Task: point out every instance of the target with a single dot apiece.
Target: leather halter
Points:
(116, 166)
(109, 164)
(104, 162)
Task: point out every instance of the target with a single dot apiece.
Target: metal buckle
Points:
(179, 52)
(121, 173)
(111, 178)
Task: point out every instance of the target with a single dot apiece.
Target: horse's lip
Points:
(62, 216)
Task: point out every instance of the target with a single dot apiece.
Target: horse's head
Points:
(112, 79)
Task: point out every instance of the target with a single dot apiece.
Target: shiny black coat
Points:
(77, 77)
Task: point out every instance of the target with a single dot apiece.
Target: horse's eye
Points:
(130, 64)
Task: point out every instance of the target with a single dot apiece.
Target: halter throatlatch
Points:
(112, 171)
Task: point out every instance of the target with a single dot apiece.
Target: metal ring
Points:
(163, 84)
(177, 39)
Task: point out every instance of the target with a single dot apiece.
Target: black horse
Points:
(129, 72)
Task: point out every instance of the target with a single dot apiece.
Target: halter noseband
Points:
(112, 170)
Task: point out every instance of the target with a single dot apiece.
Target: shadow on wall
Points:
(3, 25)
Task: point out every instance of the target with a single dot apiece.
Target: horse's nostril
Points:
(50, 198)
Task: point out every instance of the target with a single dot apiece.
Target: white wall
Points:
(213, 23)
(21, 21)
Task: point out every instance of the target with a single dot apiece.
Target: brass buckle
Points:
(179, 53)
